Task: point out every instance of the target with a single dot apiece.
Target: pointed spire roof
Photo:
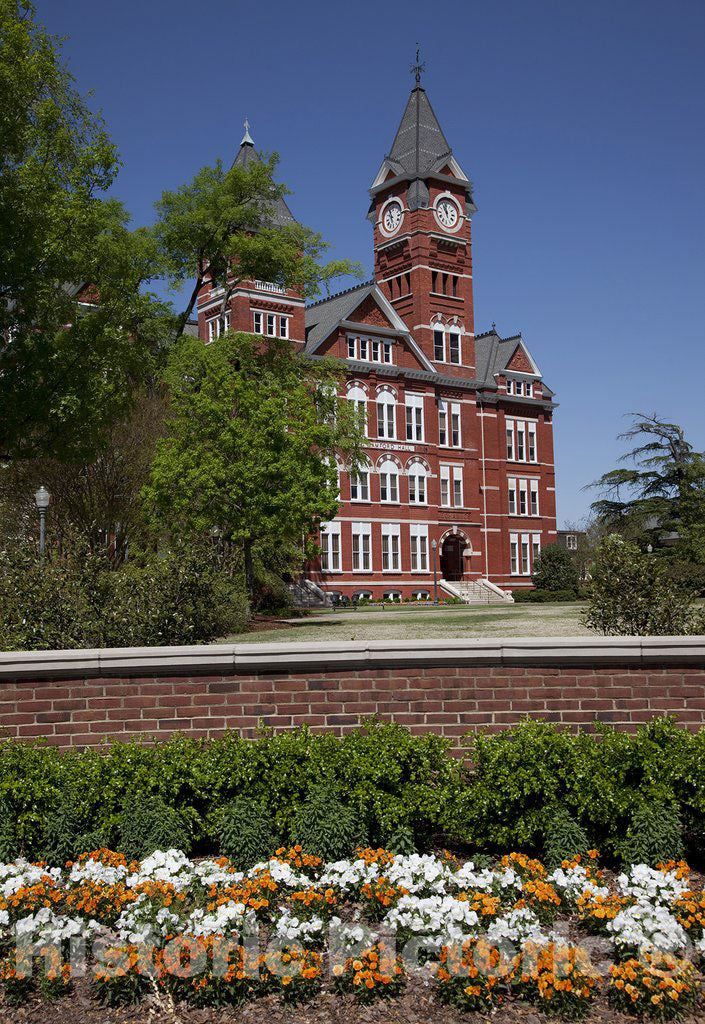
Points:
(420, 149)
(246, 155)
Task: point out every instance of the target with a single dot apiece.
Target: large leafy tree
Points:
(253, 431)
(76, 331)
(221, 227)
(660, 494)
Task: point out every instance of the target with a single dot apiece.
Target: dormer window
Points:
(369, 350)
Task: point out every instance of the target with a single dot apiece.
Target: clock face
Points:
(447, 213)
(391, 218)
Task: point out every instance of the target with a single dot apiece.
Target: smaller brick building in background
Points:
(460, 426)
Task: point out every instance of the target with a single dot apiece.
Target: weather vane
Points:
(417, 68)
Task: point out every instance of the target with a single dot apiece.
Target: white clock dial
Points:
(392, 217)
(447, 213)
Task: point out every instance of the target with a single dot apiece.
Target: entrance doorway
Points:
(452, 557)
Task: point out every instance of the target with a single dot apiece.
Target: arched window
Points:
(386, 415)
(359, 398)
(417, 483)
(389, 481)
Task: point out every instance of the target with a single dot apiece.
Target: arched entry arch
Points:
(452, 547)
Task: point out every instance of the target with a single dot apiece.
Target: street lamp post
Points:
(42, 499)
(434, 545)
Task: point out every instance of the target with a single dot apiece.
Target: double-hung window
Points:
(330, 547)
(258, 322)
(439, 346)
(531, 435)
(391, 547)
(352, 347)
(419, 547)
(455, 425)
(510, 440)
(359, 399)
(363, 349)
(524, 549)
(512, 496)
(414, 417)
(271, 325)
(443, 423)
(451, 486)
(458, 486)
(387, 351)
(361, 547)
(283, 326)
(523, 510)
(535, 549)
(445, 486)
(454, 346)
(386, 415)
(389, 481)
(521, 442)
(360, 485)
(534, 497)
(417, 485)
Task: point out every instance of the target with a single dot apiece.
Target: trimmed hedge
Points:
(544, 596)
(505, 797)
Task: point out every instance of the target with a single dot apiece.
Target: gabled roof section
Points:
(420, 149)
(247, 155)
(493, 355)
(324, 316)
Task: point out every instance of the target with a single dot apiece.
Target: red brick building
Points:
(459, 425)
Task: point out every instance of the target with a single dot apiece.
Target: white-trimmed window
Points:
(386, 415)
(442, 423)
(352, 347)
(330, 547)
(531, 434)
(454, 347)
(445, 486)
(523, 498)
(391, 547)
(455, 438)
(414, 417)
(359, 398)
(439, 345)
(258, 319)
(510, 441)
(419, 547)
(387, 351)
(364, 347)
(218, 325)
(512, 496)
(283, 326)
(362, 547)
(521, 441)
(417, 484)
(534, 497)
(524, 549)
(360, 485)
(451, 486)
(571, 542)
(389, 481)
(370, 350)
(458, 486)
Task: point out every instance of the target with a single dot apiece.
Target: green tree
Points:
(632, 594)
(554, 569)
(68, 362)
(660, 498)
(222, 228)
(252, 435)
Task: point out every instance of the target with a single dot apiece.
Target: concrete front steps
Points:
(477, 592)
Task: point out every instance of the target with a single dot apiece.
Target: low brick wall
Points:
(449, 687)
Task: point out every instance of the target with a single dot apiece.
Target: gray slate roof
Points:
(418, 152)
(324, 316)
(247, 154)
(492, 354)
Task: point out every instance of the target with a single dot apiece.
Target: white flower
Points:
(288, 926)
(434, 916)
(647, 927)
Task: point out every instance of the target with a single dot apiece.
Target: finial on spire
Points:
(247, 138)
(417, 68)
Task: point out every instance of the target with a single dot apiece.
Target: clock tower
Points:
(420, 211)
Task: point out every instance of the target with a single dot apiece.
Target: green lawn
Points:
(412, 623)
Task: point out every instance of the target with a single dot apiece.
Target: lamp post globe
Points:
(41, 500)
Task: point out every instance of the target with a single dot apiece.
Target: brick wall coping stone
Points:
(354, 655)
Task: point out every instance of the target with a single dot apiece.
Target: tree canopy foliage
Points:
(253, 431)
(69, 363)
(660, 497)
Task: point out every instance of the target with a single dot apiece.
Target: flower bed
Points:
(292, 928)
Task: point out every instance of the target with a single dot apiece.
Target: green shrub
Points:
(632, 594)
(655, 835)
(543, 596)
(554, 569)
(564, 839)
(247, 836)
(77, 600)
(401, 841)
(326, 827)
(148, 824)
(9, 844)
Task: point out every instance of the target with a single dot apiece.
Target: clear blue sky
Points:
(581, 126)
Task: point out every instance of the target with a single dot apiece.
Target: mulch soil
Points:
(417, 1005)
